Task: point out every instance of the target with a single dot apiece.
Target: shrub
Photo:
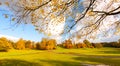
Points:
(3, 49)
(60, 45)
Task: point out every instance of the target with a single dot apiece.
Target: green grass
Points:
(61, 57)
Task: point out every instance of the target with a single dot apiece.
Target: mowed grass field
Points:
(61, 57)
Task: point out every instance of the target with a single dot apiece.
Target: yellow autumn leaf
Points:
(55, 1)
(52, 16)
(42, 11)
(40, 1)
(90, 13)
(54, 9)
(62, 18)
(116, 0)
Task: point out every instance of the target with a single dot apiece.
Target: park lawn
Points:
(61, 57)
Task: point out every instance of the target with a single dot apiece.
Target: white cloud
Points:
(14, 39)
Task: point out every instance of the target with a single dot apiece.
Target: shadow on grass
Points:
(12, 62)
(112, 52)
(99, 60)
(61, 63)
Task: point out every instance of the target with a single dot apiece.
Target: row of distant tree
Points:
(49, 44)
(86, 44)
(21, 44)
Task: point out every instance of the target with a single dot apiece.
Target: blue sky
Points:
(21, 31)
(25, 31)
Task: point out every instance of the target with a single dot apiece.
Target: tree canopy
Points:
(90, 17)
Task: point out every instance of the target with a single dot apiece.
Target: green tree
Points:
(87, 43)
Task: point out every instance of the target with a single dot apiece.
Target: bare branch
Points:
(90, 4)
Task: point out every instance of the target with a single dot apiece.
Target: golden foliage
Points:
(90, 13)
(42, 11)
(81, 45)
(68, 44)
(116, 0)
(20, 45)
(28, 44)
(46, 44)
(5, 44)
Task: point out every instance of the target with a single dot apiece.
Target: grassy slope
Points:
(61, 57)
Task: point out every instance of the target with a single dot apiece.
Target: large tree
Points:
(90, 16)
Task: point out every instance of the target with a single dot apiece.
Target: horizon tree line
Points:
(50, 44)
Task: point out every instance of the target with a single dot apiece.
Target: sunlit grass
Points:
(92, 51)
(61, 57)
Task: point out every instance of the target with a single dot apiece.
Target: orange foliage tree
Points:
(81, 45)
(51, 44)
(67, 44)
(5, 44)
(28, 44)
(46, 44)
(43, 44)
(20, 44)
